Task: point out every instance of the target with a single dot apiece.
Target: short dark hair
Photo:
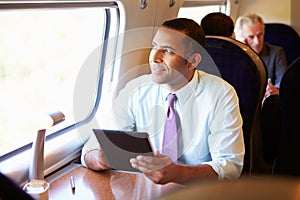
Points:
(217, 23)
(190, 28)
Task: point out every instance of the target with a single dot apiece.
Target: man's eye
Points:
(168, 51)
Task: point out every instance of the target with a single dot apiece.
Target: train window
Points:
(196, 10)
(43, 48)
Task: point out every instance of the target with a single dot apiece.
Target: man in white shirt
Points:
(210, 137)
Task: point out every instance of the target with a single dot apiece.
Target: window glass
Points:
(198, 12)
(41, 53)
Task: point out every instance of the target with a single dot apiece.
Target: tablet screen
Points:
(119, 146)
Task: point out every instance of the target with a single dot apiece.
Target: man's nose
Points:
(157, 55)
(256, 40)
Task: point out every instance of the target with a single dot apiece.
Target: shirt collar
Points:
(185, 92)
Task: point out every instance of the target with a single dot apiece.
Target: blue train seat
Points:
(240, 66)
(288, 158)
(284, 36)
(271, 127)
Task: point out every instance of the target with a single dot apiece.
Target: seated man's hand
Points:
(160, 168)
(271, 89)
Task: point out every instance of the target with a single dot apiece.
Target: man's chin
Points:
(158, 81)
(257, 50)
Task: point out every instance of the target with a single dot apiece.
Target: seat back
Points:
(288, 159)
(285, 36)
(240, 66)
(271, 127)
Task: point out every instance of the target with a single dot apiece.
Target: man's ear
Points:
(194, 60)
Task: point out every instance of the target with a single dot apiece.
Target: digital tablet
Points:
(120, 146)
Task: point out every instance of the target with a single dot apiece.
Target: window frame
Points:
(15, 163)
(193, 3)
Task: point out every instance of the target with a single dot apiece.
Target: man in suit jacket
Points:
(249, 29)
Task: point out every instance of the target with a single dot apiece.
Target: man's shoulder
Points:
(211, 81)
(275, 52)
(207, 77)
(273, 47)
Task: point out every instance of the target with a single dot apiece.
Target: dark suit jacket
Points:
(275, 60)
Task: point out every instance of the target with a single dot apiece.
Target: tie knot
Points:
(171, 99)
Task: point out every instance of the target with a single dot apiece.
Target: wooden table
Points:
(109, 184)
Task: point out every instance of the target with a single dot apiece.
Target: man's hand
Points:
(160, 168)
(271, 89)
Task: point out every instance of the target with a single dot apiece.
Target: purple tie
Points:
(171, 129)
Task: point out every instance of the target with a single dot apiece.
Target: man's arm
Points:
(160, 169)
(280, 66)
